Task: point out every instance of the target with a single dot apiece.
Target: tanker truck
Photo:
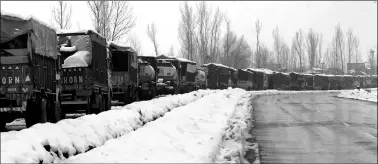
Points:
(147, 81)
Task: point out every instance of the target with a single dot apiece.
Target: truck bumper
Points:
(14, 109)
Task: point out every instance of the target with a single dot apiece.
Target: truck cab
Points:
(125, 76)
(168, 74)
(85, 72)
(29, 71)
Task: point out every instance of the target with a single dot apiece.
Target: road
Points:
(315, 128)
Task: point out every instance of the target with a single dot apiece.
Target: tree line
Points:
(202, 41)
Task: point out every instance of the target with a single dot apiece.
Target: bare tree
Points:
(187, 27)
(319, 57)
(239, 53)
(312, 47)
(171, 51)
(277, 45)
(285, 52)
(135, 43)
(229, 42)
(112, 19)
(258, 26)
(298, 45)
(151, 32)
(215, 24)
(265, 55)
(350, 40)
(338, 42)
(203, 32)
(61, 15)
(356, 43)
(227, 39)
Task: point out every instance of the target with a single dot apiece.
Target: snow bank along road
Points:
(318, 128)
(190, 133)
(367, 95)
(49, 143)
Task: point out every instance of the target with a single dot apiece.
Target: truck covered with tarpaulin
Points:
(30, 70)
(86, 71)
(321, 82)
(348, 82)
(335, 82)
(261, 78)
(281, 81)
(218, 76)
(309, 81)
(245, 79)
(296, 81)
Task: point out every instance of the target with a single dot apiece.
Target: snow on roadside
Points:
(234, 143)
(49, 142)
(360, 94)
(189, 134)
(234, 140)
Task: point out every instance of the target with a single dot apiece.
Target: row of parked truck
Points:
(46, 74)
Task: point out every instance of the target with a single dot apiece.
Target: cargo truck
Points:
(30, 72)
(125, 76)
(85, 72)
(146, 80)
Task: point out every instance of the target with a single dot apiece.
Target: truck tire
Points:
(43, 111)
(102, 104)
(36, 113)
(89, 105)
(153, 95)
(2, 124)
(136, 96)
(56, 112)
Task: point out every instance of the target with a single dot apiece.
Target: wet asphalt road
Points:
(315, 128)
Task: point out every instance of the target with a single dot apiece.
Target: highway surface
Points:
(315, 128)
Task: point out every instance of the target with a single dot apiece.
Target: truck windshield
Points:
(120, 61)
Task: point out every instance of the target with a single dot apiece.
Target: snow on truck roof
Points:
(79, 59)
(219, 65)
(120, 47)
(266, 71)
(68, 49)
(25, 17)
(84, 32)
(44, 40)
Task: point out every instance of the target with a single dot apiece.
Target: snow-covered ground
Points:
(190, 133)
(55, 142)
(360, 94)
(204, 129)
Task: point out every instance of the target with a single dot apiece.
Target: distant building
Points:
(357, 68)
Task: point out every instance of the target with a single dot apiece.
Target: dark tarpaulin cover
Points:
(44, 38)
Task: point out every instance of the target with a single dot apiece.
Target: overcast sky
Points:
(290, 16)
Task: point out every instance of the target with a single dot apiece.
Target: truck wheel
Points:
(36, 113)
(30, 118)
(56, 112)
(102, 104)
(153, 95)
(136, 96)
(2, 124)
(43, 111)
(89, 109)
